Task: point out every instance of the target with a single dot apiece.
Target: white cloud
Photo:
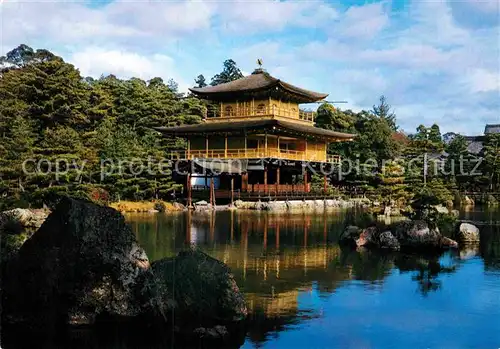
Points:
(434, 25)
(481, 80)
(246, 17)
(117, 23)
(363, 22)
(95, 61)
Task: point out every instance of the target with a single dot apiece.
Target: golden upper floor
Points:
(262, 109)
(259, 96)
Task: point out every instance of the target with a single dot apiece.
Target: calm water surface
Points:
(304, 291)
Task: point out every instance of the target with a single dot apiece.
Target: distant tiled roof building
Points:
(475, 143)
(492, 129)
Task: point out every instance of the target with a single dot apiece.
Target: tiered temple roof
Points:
(251, 126)
(258, 83)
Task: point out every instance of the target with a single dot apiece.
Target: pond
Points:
(303, 290)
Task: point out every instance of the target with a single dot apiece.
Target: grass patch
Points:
(143, 206)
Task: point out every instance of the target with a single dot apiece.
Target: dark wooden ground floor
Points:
(260, 181)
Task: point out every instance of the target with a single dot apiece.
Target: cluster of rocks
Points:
(84, 266)
(407, 234)
(404, 234)
(292, 205)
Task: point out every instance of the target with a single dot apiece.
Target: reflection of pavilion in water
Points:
(274, 257)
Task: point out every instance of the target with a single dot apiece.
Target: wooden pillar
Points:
(206, 146)
(265, 144)
(188, 148)
(244, 181)
(221, 110)
(188, 188)
(277, 179)
(265, 179)
(232, 190)
(225, 146)
(325, 189)
(305, 181)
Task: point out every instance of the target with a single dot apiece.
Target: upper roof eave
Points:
(241, 126)
(258, 81)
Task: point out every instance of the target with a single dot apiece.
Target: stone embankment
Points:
(296, 205)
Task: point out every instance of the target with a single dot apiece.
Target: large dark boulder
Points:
(198, 291)
(82, 263)
(418, 234)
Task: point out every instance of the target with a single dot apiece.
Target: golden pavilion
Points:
(258, 142)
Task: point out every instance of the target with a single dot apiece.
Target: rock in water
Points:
(368, 237)
(447, 242)
(350, 235)
(416, 234)
(372, 237)
(387, 240)
(83, 262)
(199, 290)
(468, 233)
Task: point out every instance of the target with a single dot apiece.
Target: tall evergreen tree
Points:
(229, 73)
(384, 110)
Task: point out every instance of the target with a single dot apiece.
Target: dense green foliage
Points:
(418, 168)
(49, 111)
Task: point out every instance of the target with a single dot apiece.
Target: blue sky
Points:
(435, 60)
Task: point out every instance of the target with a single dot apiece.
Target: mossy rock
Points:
(198, 289)
(83, 262)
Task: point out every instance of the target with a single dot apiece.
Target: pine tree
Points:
(230, 73)
(200, 81)
(383, 110)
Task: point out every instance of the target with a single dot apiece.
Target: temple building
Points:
(257, 141)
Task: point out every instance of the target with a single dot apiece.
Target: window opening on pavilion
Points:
(261, 109)
(228, 111)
